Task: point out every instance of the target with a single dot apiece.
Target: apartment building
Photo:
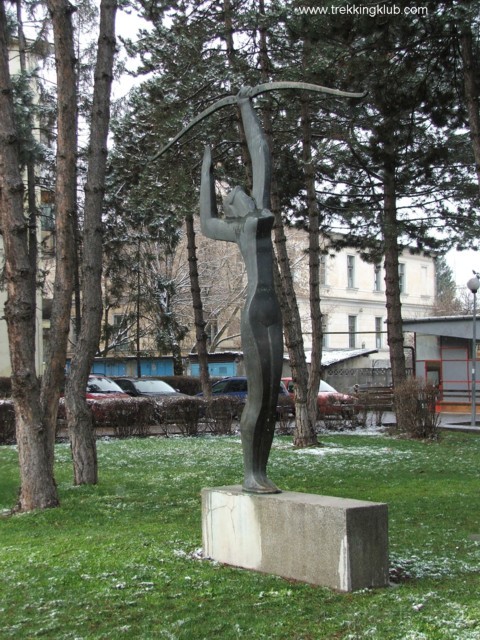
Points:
(353, 295)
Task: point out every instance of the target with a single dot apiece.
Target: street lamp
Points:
(474, 285)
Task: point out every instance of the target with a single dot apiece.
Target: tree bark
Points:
(392, 286)
(78, 413)
(304, 434)
(37, 484)
(470, 83)
(313, 263)
(30, 162)
(65, 206)
(200, 334)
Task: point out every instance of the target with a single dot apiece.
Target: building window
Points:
(323, 269)
(378, 332)
(47, 217)
(120, 332)
(119, 320)
(377, 277)
(401, 277)
(352, 331)
(350, 272)
(426, 288)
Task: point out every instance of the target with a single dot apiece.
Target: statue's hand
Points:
(244, 95)
(207, 162)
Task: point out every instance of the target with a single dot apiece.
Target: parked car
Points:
(330, 402)
(150, 387)
(99, 391)
(236, 386)
(99, 387)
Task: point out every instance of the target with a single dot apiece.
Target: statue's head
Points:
(237, 204)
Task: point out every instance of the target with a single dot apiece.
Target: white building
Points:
(353, 295)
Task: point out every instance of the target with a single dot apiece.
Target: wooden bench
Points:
(374, 398)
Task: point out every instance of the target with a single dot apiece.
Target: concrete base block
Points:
(332, 542)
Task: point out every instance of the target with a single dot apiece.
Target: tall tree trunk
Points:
(313, 259)
(304, 434)
(65, 206)
(200, 333)
(30, 163)
(79, 416)
(37, 484)
(392, 285)
(470, 83)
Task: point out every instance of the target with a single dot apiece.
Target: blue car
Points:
(236, 386)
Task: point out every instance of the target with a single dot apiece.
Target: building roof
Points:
(450, 326)
(329, 356)
(218, 356)
(334, 356)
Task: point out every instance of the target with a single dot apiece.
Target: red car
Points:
(99, 389)
(330, 402)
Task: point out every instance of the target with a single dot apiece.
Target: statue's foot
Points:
(259, 485)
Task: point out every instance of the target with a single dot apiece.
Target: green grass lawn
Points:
(122, 559)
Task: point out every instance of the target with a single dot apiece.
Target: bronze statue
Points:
(248, 222)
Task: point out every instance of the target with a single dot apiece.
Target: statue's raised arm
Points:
(258, 149)
(212, 226)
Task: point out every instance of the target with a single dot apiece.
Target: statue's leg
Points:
(275, 338)
(258, 417)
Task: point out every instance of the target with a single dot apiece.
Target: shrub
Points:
(285, 415)
(126, 416)
(221, 412)
(337, 422)
(415, 409)
(180, 415)
(7, 422)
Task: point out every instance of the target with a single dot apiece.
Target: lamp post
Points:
(474, 285)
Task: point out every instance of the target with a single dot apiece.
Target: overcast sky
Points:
(462, 264)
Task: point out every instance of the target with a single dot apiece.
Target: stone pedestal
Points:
(332, 542)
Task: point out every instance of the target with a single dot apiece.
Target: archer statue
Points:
(248, 222)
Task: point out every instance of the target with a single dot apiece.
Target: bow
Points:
(251, 93)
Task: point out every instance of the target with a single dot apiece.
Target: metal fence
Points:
(344, 379)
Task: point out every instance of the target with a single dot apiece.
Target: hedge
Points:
(126, 417)
(7, 422)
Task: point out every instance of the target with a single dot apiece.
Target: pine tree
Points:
(37, 485)
(397, 173)
(446, 300)
(389, 172)
(79, 416)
